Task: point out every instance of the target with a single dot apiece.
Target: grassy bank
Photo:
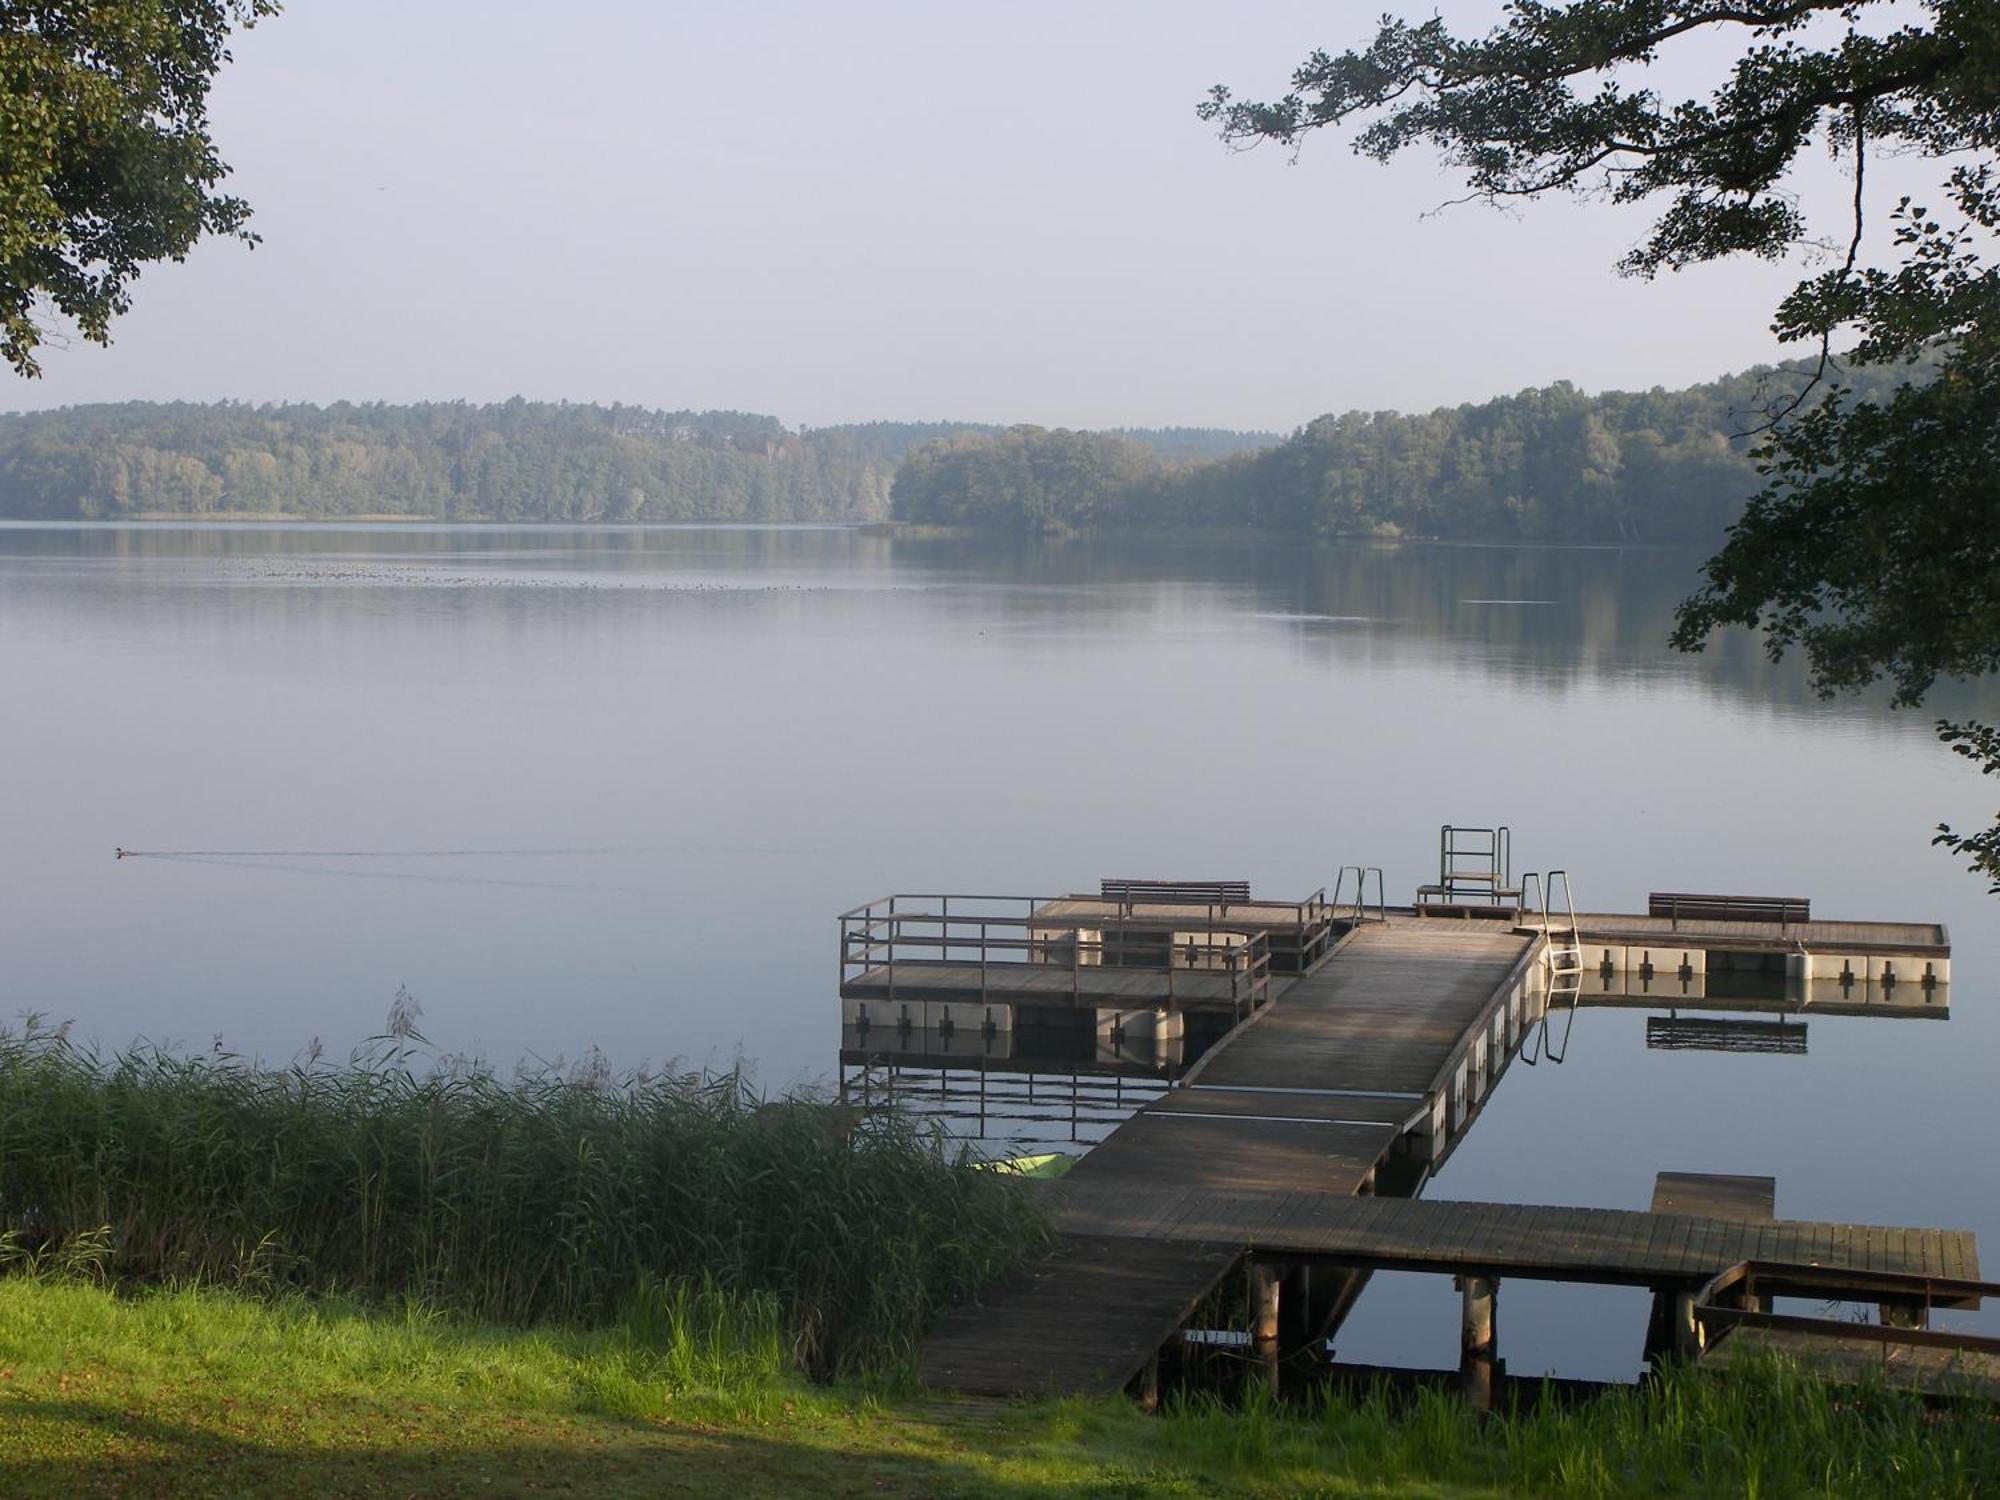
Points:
(546, 1198)
(393, 1277)
(185, 1392)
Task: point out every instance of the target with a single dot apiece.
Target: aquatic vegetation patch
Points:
(553, 1196)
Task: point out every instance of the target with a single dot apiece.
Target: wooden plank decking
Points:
(1205, 1101)
(1619, 1246)
(1082, 1322)
(1165, 1154)
(1716, 1195)
(1383, 1017)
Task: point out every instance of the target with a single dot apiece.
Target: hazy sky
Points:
(871, 209)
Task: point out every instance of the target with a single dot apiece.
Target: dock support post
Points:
(1265, 1300)
(1147, 1386)
(1477, 1339)
(1672, 1329)
(1687, 1343)
(1297, 1307)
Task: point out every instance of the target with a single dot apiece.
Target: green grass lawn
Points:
(197, 1393)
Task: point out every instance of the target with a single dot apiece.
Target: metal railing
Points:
(1562, 959)
(1475, 862)
(999, 933)
(1740, 1296)
(1361, 874)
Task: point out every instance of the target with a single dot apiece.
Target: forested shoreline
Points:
(1547, 464)
(511, 461)
(514, 461)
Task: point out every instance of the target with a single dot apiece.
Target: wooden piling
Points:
(1266, 1300)
(1477, 1338)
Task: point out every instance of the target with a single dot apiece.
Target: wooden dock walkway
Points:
(1083, 1322)
(1386, 1017)
(1137, 1256)
(1271, 1152)
(1631, 1247)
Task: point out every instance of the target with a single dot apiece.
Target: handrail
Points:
(871, 935)
(1747, 1280)
(1538, 898)
(1786, 1280)
(1361, 874)
(1530, 956)
(889, 902)
(1491, 847)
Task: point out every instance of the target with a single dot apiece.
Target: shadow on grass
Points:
(65, 1447)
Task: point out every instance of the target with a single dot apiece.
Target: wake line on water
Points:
(407, 876)
(363, 853)
(744, 850)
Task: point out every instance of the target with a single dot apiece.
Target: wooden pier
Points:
(1289, 1149)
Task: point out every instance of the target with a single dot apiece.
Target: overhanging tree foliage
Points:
(1874, 545)
(105, 157)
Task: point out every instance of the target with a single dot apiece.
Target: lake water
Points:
(608, 788)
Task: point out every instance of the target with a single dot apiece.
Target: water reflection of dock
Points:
(1292, 1147)
(1024, 1090)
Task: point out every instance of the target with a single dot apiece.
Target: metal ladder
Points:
(1562, 959)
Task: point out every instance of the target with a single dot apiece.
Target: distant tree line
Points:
(1549, 464)
(514, 461)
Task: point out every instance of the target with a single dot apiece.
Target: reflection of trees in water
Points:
(1602, 612)
(1553, 614)
(236, 541)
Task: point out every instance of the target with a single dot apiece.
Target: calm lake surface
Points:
(645, 769)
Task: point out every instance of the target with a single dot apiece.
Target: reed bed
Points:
(553, 1196)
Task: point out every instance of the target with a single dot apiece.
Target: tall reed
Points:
(549, 1196)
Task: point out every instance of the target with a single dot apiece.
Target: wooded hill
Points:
(1549, 464)
(514, 461)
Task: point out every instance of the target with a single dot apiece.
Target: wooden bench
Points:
(1784, 910)
(1175, 892)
